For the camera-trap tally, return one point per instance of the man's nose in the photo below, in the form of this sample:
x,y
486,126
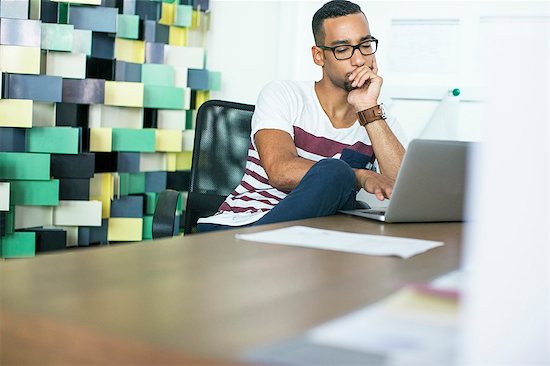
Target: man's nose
x,y
357,58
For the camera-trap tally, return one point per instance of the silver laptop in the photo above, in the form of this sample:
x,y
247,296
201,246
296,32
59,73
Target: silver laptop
x,y
429,187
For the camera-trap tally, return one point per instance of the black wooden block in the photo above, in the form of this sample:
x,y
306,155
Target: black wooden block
x,y
84,91
127,71
83,236
74,189
48,11
179,180
71,114
127,206
73,166
148,10
150,118
100,68
98,234
155,181
49,239
12,139
128,162
103,46
106,162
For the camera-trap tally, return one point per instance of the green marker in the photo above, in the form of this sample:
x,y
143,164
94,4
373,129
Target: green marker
x,y
456,92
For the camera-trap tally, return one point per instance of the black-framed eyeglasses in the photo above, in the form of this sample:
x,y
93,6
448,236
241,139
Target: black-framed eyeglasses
x,y
345,51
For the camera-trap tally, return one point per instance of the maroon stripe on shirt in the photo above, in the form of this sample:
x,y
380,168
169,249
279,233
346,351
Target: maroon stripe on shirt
x,y
226,207
251,189
256,176
323,146
253,160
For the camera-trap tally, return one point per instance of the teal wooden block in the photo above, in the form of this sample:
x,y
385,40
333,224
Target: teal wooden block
x,y
124,183
163,97
126,139
24,166
57,37
18,245
157,74
147,228
214,80
127,26
136,184
184,16
34,192
57,140
150,201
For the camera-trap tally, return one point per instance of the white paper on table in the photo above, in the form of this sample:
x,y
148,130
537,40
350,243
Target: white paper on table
x,y
303,236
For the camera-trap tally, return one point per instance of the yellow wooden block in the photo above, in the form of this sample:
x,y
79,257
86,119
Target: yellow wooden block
x,y
183,160
16,113
171,161
101,139
19,59
125,94
130,50
168,13
102,189
202,96
196,19
124,229
177,36
168,140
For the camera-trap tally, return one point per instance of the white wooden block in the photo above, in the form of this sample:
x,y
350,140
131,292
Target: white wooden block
x,y
33,216
77,213
188,140
188,57
4,196
173,119
66,64
187,99
43,114
82,41
152,162
180,77
101,115
18,9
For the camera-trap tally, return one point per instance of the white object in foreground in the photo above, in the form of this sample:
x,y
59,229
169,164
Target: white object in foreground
x,y
302,236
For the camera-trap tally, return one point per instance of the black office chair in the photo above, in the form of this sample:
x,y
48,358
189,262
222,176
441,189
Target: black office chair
x,y
222,139
164,217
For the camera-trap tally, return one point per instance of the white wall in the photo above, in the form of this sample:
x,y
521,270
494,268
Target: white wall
x,y
254,42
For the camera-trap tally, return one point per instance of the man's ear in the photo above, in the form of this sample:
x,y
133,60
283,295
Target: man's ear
x,y
318,56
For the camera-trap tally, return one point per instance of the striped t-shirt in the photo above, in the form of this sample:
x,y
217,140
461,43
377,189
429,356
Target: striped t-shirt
x,y
291,106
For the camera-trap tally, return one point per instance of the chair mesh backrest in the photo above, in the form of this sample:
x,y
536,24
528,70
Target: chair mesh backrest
x,y
222,138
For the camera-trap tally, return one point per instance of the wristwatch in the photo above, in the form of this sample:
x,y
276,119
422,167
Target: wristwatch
x,y
371,114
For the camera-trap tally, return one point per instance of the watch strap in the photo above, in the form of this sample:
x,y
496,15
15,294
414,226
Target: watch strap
x,y
370,115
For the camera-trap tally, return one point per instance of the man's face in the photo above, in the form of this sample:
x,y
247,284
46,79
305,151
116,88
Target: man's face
x,y
347,30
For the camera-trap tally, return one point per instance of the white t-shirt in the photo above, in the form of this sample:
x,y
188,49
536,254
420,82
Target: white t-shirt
x,y
291,106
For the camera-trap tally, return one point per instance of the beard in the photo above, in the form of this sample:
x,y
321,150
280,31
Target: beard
x,y
348,87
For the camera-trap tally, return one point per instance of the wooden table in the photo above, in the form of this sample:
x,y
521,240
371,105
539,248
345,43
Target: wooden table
x,y
198,299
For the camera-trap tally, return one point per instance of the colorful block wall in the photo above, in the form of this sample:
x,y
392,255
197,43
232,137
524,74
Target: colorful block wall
x,y
97,106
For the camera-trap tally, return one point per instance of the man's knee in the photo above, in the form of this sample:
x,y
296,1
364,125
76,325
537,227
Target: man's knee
x,y
335,172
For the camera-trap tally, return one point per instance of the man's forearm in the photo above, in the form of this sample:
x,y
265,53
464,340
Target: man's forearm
x,y
388,150
288,175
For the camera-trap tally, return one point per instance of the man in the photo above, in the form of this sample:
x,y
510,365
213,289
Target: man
x,y
314,144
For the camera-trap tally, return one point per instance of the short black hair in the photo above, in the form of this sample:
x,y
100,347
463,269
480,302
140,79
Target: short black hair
x,y
332,9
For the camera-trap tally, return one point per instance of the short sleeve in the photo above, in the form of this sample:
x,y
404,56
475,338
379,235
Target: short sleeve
x,y
274,109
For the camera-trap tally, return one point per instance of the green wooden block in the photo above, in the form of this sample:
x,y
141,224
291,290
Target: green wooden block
x,y
163,97
57,140
10,221
137,183
150,202
136,140
63,13
18,245
184,16
124,183
189,119
127,26
82,41
147,228
181,205
157,74
214,80
57,37
34,192
24,166
168,1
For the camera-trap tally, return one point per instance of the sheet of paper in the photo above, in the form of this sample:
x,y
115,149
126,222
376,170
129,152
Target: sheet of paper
x,y
302,236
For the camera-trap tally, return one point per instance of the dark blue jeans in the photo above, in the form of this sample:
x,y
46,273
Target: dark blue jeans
x,y
327,187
